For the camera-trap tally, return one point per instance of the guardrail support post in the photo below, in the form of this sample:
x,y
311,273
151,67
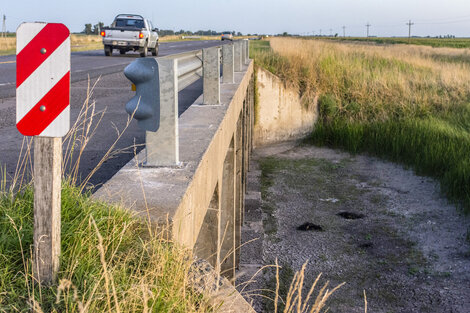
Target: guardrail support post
x,y
162,146
238,56
228,64
244,57
211,75
247,53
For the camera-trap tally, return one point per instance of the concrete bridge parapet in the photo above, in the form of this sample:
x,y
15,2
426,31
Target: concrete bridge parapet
x,y
203,197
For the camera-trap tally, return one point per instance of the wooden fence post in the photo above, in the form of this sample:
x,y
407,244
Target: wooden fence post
x,y
47,205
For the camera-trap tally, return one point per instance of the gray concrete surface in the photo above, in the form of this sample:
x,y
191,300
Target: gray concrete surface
x,y
211,76
227,64
238,55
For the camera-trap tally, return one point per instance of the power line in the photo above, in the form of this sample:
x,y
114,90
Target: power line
x,y
409,30
448,22
443,19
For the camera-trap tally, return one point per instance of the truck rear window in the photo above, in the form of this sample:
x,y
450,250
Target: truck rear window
x,y
127,22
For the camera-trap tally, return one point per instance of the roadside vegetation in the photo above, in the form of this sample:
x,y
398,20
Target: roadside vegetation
x,y
111,261
406,103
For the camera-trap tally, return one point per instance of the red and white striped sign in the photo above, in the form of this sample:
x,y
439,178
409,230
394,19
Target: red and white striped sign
x,y
43,79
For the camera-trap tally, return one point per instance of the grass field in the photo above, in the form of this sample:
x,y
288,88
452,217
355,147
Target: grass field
x,y
406,103
433,42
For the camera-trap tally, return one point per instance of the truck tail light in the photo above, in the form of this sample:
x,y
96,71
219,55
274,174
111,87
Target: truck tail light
x,y
141,35
103,33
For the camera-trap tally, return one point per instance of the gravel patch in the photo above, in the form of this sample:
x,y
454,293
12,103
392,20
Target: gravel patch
x,y
383,230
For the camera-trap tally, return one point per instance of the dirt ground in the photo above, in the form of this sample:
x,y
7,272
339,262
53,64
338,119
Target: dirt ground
x,y
373,224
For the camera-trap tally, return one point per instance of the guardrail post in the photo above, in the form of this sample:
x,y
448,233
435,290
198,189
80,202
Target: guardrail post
x,y
162,146
238,56
228,64
247,53
244,57
211,75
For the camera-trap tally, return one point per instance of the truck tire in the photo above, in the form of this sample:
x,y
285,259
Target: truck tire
x,y
143,51
155,50
108,51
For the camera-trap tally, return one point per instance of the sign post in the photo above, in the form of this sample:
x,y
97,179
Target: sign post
x,y
43,111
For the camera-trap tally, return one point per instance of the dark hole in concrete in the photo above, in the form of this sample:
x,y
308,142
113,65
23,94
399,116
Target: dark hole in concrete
x,y
310,226
366,245
350,215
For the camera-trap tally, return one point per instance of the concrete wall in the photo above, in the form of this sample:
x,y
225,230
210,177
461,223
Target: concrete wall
x,y
280,115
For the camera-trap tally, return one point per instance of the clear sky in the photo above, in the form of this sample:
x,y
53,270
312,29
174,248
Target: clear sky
x,y
387,17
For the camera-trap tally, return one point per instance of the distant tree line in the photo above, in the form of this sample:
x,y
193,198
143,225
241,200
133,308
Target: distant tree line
x,y
95,29
170,32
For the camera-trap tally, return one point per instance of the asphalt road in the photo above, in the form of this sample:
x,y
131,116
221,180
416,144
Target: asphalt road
x,y
94,63
110,94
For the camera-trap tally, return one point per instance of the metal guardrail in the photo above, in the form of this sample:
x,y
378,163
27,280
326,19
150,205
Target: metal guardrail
x,y
158,81
189,67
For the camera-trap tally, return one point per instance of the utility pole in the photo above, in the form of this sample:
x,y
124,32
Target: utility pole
x,y
4,26
331,32
320,32
409,30
368,25
344,31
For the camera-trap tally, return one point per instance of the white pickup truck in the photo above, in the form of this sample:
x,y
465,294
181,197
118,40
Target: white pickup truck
x,y
130,32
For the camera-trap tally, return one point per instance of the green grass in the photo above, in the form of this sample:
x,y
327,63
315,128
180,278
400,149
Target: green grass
x,y
433,42
426,126
432,146
145,270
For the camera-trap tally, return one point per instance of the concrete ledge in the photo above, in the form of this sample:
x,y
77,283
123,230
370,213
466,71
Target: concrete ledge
x,y
182,195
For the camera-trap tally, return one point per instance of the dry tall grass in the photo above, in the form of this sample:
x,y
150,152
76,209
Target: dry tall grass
x,y
7,45
377,81
77,43
84,39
